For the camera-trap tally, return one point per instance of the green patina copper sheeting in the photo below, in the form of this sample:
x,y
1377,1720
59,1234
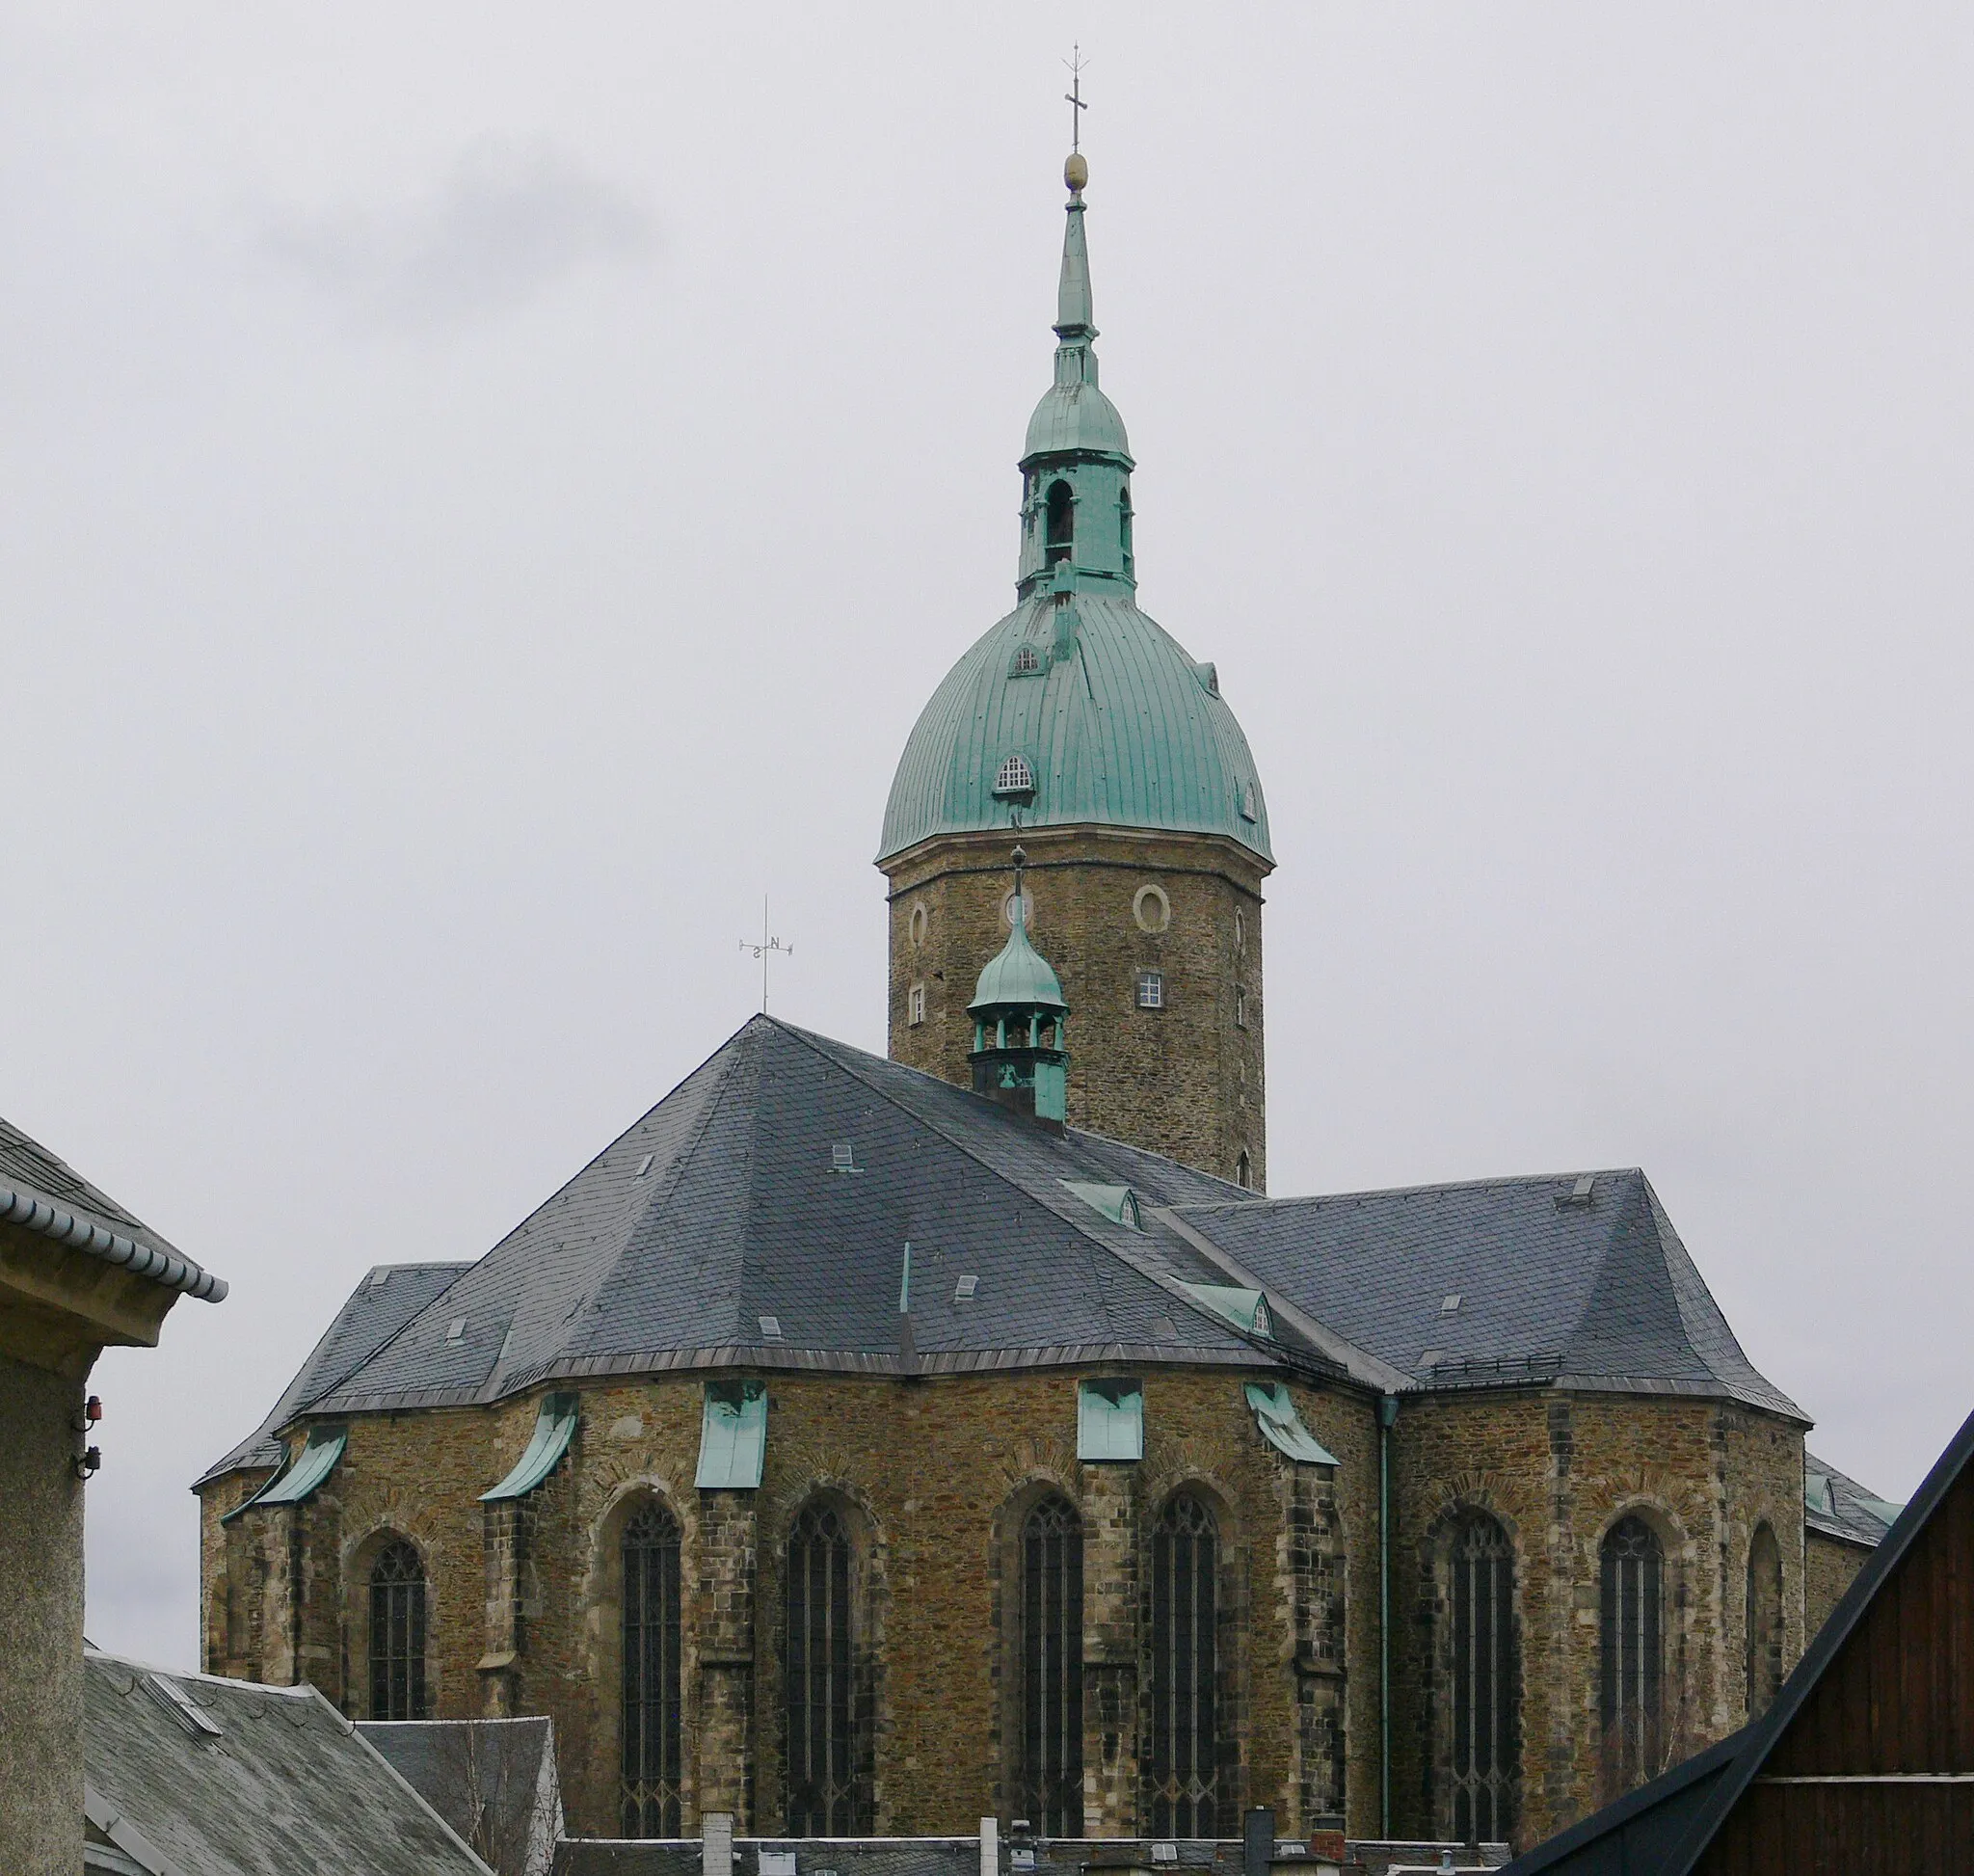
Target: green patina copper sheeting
x,y
1110,1420
303,1479
1245,1309
1281,1426
732,1437
555,1429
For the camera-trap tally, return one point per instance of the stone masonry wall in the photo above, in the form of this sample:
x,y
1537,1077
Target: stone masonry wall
x,y
1830,1564
1556,1470
1186,1080
927,1474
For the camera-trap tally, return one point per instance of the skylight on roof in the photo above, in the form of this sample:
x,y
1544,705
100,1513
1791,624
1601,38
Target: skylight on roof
x,y
963,1290
456,1328
378,1278
843,1157
644,1165
770,1327
180,1705
1450,1303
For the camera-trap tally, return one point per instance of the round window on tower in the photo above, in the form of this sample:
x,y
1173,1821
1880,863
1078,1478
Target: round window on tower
x,y
1152,909
915,925
1027,910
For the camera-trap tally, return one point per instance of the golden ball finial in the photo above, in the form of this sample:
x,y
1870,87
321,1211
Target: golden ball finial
x,y
1076,173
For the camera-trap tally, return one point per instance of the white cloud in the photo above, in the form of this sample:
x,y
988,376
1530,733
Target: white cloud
x,y
509,220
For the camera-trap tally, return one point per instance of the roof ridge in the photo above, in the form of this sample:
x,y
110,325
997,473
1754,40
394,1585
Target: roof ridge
x,y
1085,1232
1438,1186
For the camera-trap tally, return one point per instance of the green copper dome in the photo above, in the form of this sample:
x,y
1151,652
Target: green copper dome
x,y
1020,976
1077,708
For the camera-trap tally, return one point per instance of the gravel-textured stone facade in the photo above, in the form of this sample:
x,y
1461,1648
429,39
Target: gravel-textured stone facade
x,y
1830,1564
933,1477
1108,906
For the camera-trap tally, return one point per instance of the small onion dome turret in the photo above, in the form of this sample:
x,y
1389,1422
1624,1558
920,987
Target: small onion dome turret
x,y
1017,977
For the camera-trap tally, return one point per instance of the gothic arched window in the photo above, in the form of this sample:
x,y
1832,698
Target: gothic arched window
x,y
397,1634
648,1801
827,1794
1630,1630
1183,1766
1052,1573
1486,1682
1059,536
1764,1621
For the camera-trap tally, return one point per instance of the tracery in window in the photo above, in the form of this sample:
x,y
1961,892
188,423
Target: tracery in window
x,y
1485,1675
397,1634
1630,1630
1051,1775
649,1794
1183,1764
828,1795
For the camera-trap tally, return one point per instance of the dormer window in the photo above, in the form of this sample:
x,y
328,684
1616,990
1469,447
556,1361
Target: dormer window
x,y
1060,536
1028,661
1015,778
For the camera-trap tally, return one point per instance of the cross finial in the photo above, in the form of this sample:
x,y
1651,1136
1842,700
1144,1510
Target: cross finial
x,y
1073,98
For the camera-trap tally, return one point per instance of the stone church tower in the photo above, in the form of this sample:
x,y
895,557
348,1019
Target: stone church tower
x,y
1082,721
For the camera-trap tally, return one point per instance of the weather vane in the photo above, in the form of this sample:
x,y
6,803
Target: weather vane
x,y
764,950
1073,98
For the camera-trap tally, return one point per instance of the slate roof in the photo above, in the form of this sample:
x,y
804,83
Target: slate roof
x,y
775,1189
376,1310
1835,1504
47,1195
284,1783
494,1781
1592,1290
724,1205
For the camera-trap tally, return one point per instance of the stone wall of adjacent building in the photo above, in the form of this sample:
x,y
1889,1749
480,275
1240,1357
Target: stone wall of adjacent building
x,y
1830,1564
1556,1470
1106,904
931,1477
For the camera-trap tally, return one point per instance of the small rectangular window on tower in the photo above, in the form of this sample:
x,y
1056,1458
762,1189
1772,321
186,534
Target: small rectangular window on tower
x,y
914,1005
1150,990
1239,1007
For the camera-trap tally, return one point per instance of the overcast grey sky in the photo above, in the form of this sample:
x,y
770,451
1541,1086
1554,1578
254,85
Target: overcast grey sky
x,y
484,491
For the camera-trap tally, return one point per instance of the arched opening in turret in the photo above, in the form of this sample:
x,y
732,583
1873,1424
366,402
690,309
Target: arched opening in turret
x,y
1124,527
1061,537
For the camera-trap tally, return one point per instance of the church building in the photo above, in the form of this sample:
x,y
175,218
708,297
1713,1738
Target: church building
x,y
868,1445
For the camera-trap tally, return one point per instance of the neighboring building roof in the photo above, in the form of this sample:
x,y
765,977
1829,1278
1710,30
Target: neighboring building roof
x,y
231,1778
1835,1505
387,1297
757,1217
47,1195
1867,1745
494,1781
1575,1279
1125,732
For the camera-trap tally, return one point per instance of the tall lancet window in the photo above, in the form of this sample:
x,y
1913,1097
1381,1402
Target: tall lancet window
x,y
1052,1770
1183,1768
652,1778
397,1634
1486,1682
1630,1626
1764,1621
1059,540
828,1794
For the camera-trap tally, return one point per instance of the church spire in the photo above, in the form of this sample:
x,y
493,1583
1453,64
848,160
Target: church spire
x,y
1076,467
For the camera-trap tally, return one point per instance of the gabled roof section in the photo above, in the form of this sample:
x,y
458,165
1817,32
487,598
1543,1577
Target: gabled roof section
x,y
1578,1279
1868,1733
757,1217
1837,1506
48,1197
229,1777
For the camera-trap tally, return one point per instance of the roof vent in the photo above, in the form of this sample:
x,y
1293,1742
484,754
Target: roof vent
x,y
1208,678
180,1705
378,1278
1015,779
1580,1192
456,1328
843,1157
770,1327
1448,1304
644,1165
963,1290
